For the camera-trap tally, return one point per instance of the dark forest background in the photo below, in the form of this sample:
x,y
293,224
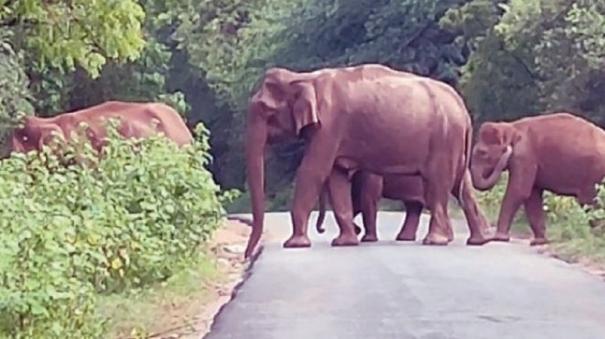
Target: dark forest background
x,y
508,58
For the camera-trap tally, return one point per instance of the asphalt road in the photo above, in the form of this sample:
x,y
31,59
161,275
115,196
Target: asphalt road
x,y
397,290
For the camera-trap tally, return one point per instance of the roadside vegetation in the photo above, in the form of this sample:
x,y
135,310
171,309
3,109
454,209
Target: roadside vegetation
x,y
76,228
73,238
576,233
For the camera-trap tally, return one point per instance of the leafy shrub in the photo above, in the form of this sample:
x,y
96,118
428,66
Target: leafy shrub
x,y
577,230
574,230
97,225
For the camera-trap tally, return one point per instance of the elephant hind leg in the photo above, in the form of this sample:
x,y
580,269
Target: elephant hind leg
x,y
340,195
535,215
409,229
437,200
356,208
477,221
369,206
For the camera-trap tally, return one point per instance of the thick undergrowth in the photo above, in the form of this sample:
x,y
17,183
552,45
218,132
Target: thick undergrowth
x,y
73,228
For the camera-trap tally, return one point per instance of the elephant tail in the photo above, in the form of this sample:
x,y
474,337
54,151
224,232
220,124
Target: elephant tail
x,y
322,212
467,161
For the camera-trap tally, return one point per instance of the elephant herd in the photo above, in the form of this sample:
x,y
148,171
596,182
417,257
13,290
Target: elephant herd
x,y
372,131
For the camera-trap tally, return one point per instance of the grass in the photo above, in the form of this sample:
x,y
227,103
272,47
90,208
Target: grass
x,y
567,226
166,306
573,237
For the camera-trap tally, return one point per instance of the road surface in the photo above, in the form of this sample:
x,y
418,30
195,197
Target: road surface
x,y
406,290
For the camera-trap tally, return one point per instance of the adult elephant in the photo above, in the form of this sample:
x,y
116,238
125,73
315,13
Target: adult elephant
x,y
137,120
367,189
558,152
367,117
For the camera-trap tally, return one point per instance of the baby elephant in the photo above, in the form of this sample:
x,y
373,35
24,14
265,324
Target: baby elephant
x,y
366,191
558,152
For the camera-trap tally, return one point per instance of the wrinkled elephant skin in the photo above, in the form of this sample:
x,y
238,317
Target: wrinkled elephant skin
x,y
368,189
137,120
559,152
367,117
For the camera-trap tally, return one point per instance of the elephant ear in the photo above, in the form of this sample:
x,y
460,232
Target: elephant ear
x,y
508,135
266,99
490,134
304,108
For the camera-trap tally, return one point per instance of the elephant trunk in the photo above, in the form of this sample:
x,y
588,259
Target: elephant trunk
x,y
322,212
256,139
483,183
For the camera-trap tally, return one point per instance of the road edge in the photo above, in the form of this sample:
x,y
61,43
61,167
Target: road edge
x,y
245,276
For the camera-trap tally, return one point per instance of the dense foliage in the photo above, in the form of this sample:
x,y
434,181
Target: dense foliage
x,y
509,58
97,226
548,55
205,56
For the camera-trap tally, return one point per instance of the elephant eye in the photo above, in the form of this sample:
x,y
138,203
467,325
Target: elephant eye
x,y
24,138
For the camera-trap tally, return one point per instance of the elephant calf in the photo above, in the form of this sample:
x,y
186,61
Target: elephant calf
x,y
367,189
558,152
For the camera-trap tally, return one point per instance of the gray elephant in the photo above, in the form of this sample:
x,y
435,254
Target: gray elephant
x,y
558,152
367,189
366,117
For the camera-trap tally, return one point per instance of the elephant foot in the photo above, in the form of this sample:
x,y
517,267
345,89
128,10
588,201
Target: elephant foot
x,y
297,241
403,236
357,230
345,240
435,239
369,238
477,241
539,242
502,237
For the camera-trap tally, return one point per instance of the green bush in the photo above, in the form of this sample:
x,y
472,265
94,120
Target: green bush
x,y
69,232
574,230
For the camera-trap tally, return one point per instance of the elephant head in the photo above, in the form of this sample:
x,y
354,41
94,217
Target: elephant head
x,y
284,104
491,153
33,134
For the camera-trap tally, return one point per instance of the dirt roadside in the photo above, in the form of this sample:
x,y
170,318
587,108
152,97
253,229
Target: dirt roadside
x,y
193,319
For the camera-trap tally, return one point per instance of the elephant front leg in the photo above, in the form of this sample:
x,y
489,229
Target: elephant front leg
x,y
310,178
307,188
518,190
409,229
369,206
340,195
510,206
369,222
535,216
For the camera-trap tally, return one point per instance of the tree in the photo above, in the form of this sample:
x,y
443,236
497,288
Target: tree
x,y
42,42
547,55
63,34
232,42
